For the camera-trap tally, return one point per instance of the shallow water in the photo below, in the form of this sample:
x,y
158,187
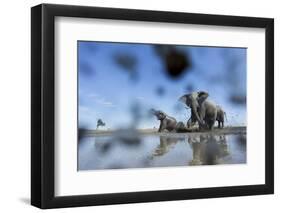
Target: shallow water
x,y
143,151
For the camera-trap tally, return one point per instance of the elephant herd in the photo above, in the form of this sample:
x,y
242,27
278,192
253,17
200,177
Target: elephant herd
x,y
206,149
203,111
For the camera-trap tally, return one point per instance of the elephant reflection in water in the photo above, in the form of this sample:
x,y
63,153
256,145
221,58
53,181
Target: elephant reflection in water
x,y
166,144
208,149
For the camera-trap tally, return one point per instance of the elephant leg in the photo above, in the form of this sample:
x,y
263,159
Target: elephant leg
x,y
192,124
211,124
222,124
204,125
193,121
219,124
201,127
202,115
189,123
160,127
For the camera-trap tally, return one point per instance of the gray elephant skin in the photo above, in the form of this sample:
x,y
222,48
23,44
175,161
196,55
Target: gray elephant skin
x,y
192,120
208,149
220,116
202,110
166,122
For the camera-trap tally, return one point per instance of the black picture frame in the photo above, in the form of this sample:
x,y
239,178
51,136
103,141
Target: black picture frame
x,y
43,102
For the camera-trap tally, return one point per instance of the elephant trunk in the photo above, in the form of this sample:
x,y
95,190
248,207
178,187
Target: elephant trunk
x,y
194,110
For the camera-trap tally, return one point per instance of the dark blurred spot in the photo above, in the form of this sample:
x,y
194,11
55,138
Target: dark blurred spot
x,y
128,137
105,147
85,68
238,99
122,137
81,133
128,62
175,61
241,141
189,88
161,50
160,91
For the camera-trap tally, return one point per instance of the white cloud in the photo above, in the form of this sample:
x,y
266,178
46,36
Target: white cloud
x,y
100,100
93,95
106,103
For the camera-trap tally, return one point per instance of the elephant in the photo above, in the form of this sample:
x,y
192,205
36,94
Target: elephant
x,y
203,111
192,120
166,122
166,144
180,127
220,116
208,149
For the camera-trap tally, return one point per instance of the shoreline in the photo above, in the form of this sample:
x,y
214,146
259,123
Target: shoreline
x,y
225,131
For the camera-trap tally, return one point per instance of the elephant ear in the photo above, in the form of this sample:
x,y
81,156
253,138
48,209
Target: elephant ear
x,y
202,96
186,99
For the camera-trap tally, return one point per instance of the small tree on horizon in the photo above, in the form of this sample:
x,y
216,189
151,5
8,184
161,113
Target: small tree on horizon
x,y
100,123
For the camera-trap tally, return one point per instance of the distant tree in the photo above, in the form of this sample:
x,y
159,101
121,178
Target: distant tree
x,y
100,123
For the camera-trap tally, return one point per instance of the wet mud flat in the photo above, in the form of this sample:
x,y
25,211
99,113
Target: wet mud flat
x,y
148,148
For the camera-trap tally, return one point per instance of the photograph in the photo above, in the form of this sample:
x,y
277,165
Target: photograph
x,y
139,105
144,105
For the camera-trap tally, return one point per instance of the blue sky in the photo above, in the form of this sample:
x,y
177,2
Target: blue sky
x,y
108,90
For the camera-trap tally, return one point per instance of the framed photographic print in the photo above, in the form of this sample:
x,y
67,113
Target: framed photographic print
x,y
139,106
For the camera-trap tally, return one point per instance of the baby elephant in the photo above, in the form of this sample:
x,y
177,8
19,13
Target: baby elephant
x,y
166,122
220,116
